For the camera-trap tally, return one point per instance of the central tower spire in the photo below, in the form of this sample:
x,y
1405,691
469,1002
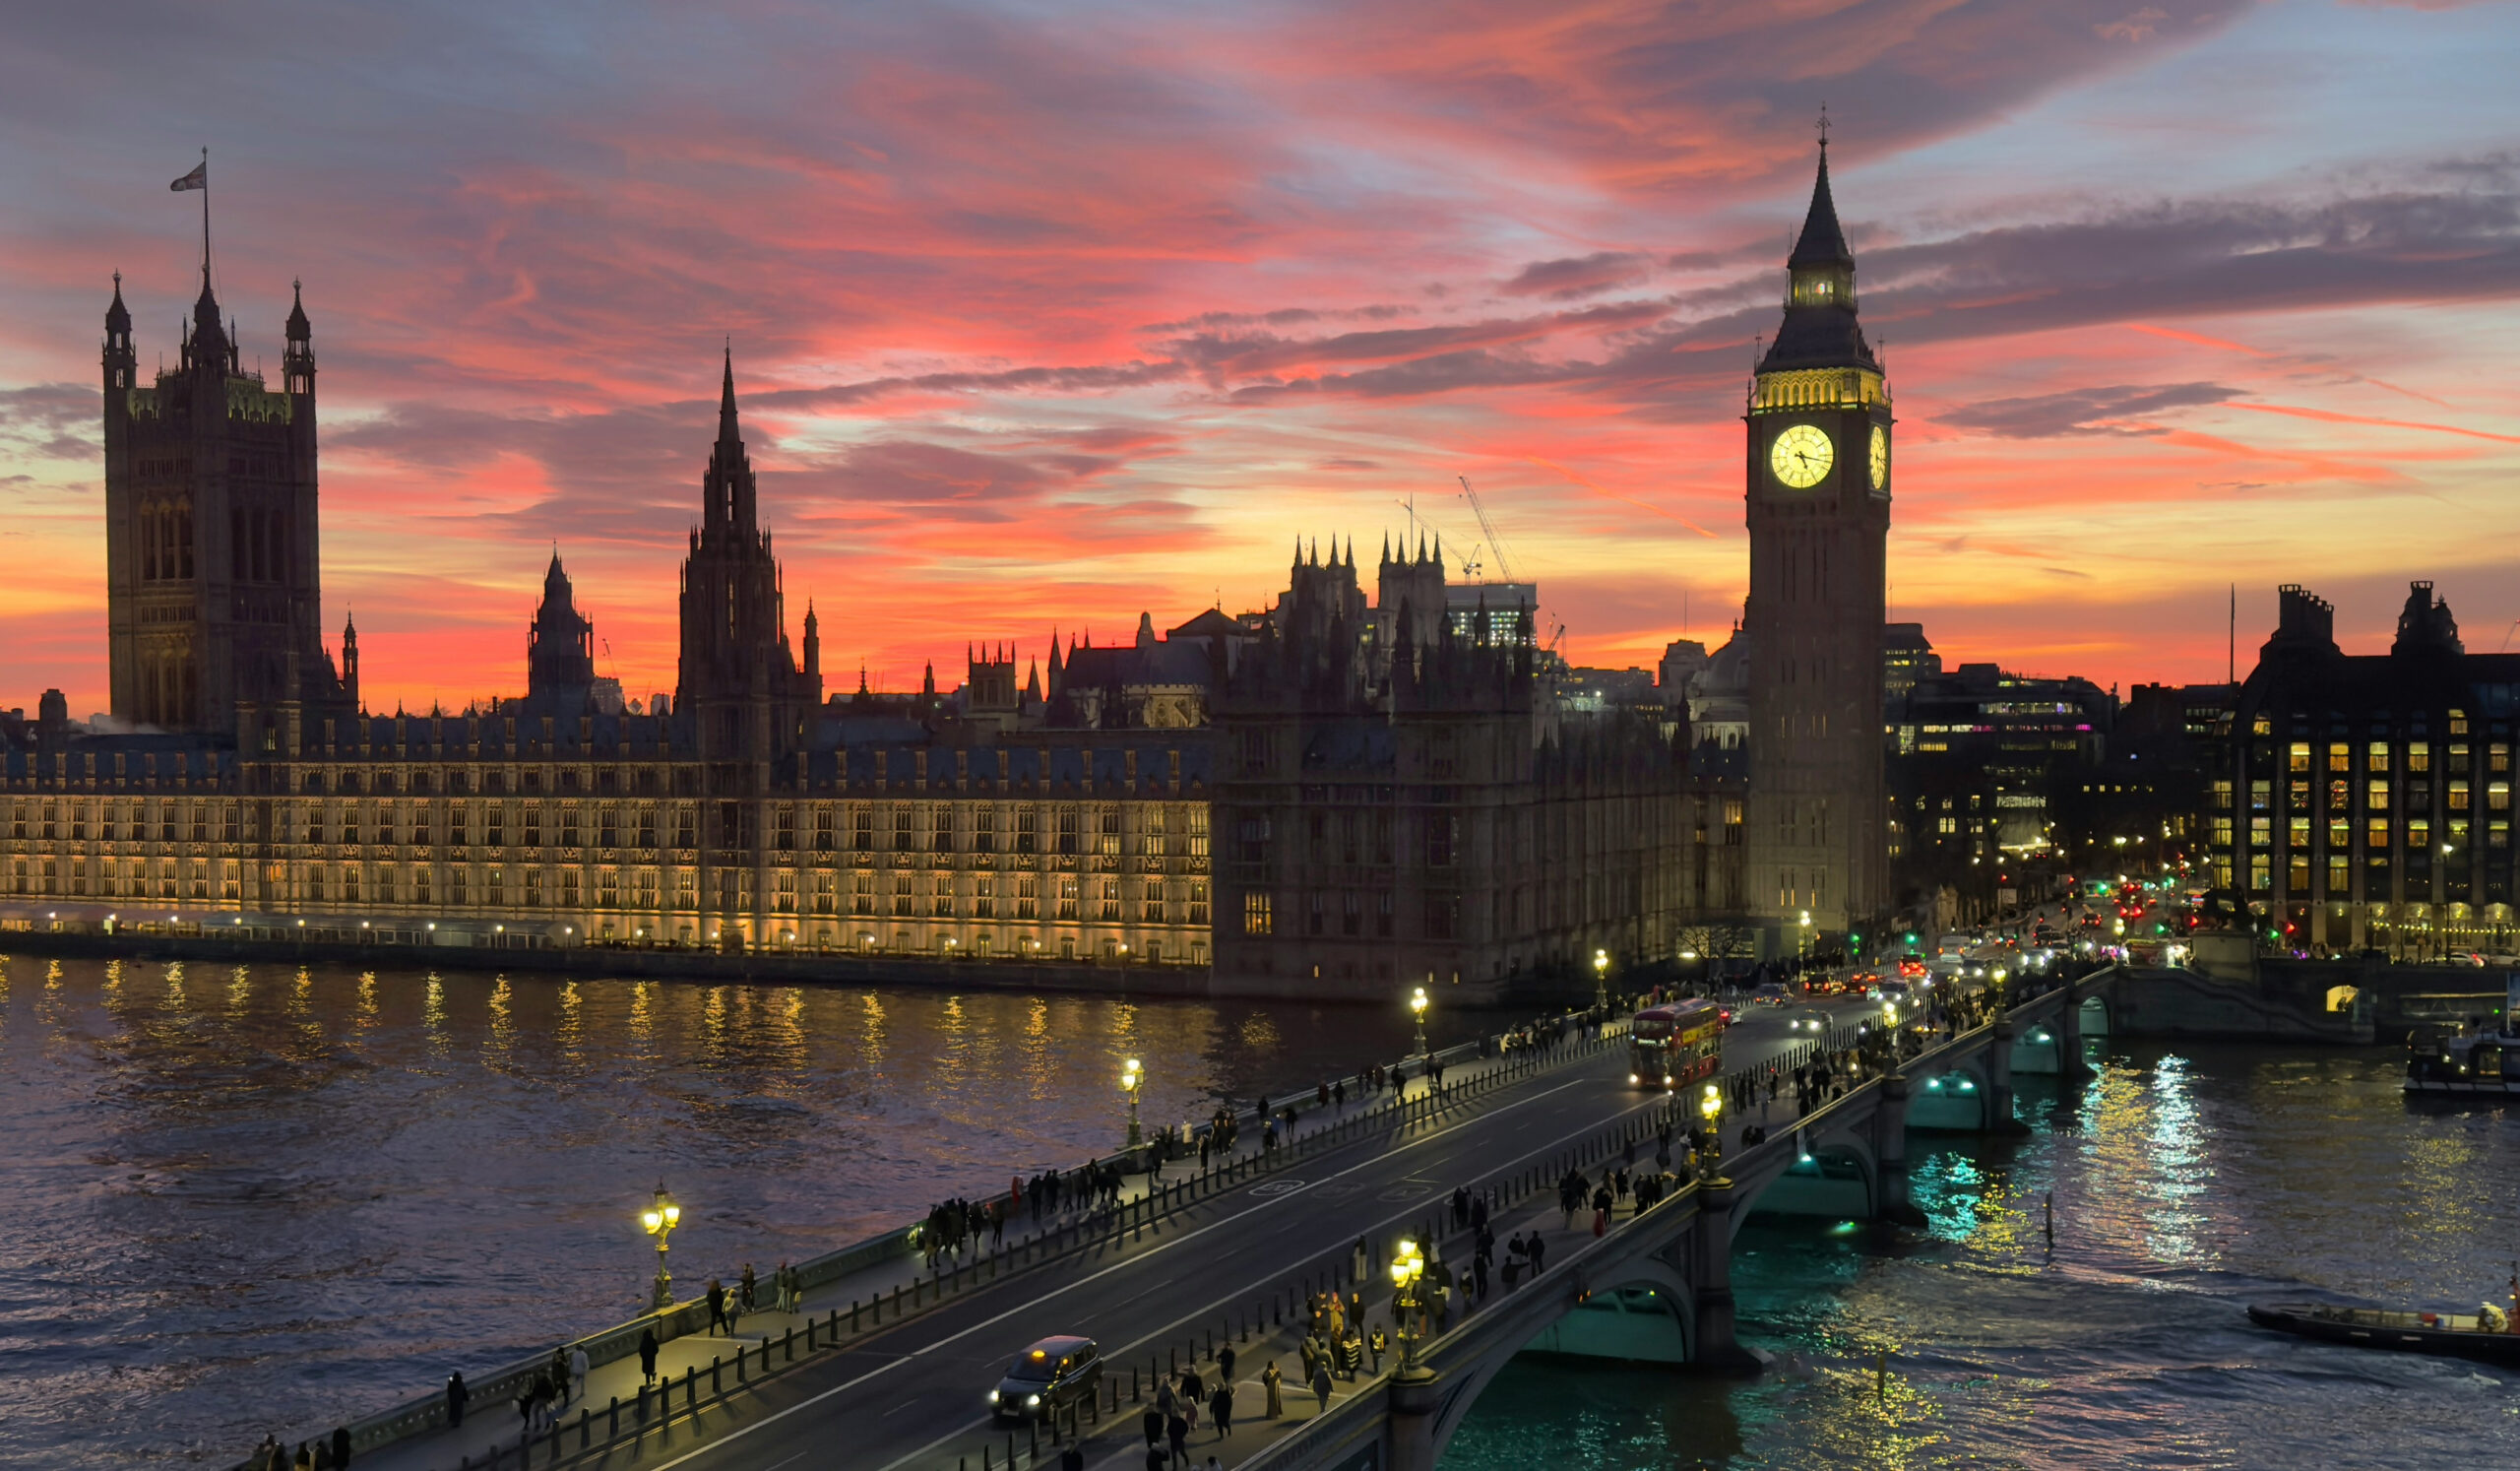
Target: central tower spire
x,y
728,502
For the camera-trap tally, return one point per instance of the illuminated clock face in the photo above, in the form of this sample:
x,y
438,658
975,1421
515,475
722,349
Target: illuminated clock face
x,y
1880,456
1801,456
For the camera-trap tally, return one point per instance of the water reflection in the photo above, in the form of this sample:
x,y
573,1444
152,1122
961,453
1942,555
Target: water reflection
x,y
330,1178
2188,1181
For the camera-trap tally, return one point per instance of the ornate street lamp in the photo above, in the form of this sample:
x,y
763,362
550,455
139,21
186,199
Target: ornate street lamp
x,y
1600,983
1131,1077
659,1220
1710,1106
1417,1012
1407,1267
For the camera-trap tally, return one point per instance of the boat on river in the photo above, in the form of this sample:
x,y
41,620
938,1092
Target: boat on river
x,y
2464,1335
2482,1061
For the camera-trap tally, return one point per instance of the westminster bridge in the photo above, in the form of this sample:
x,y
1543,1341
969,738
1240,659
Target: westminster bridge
x,y
884,1362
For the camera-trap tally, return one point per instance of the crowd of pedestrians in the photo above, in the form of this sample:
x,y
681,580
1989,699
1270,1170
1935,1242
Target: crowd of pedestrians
x,y
326,1454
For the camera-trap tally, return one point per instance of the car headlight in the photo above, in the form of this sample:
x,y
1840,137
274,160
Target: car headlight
x,y
1633,1078
1031,1401
1666,1080
992,1396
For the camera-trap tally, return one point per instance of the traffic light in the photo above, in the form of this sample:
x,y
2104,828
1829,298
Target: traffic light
x,y
1912,936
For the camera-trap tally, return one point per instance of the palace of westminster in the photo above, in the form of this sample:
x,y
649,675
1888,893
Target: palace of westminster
x,y
1328,797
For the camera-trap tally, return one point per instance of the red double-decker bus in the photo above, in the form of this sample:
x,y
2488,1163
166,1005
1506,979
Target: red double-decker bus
x,y
1679,1042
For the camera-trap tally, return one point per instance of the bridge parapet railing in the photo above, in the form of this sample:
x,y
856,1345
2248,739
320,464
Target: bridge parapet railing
x,y
427,1412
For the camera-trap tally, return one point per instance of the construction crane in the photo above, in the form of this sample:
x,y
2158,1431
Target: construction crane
x,y
1495,546
1418,520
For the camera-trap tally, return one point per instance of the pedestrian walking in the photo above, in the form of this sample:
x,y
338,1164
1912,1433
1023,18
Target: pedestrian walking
x,y
456,1396
1221,1410
1540,1254
647,1357
747,1295
1321,1384
1177,1430
341,1447
559,1374
1225,1365
1360,1262
578,1366
718,1307
1270,1402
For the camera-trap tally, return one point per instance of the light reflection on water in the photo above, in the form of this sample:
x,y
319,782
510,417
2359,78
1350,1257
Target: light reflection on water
x,y
2187,1183
249,1200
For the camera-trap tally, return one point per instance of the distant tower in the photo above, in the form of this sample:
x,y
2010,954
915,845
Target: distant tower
x,y
739,682
350,661
214,592
559,654
1819,521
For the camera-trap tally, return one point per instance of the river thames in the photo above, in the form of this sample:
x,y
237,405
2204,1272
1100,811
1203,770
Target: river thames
x,y
254,1199
247,1199
2188,1181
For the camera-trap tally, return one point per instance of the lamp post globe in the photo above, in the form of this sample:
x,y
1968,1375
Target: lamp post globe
x,y
659,1220
1417,1014
1131,1077
1408,1264
1710,1106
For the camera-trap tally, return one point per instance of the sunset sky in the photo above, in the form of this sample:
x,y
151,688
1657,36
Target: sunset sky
x,y
1046,314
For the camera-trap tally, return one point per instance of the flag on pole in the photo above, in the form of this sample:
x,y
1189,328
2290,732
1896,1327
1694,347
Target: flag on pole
x,y
199,178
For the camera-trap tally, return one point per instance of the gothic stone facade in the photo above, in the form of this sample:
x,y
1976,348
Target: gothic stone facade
x,y
1400,804
214,597
542,830
1397,803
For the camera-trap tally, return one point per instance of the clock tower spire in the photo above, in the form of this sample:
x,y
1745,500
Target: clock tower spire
x,y
1818,509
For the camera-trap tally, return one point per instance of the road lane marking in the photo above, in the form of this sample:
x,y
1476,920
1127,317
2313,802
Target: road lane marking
x,y
1230,1298
1183,1239
747,1428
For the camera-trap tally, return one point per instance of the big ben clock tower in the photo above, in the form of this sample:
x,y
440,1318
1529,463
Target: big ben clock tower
x,y
1818,508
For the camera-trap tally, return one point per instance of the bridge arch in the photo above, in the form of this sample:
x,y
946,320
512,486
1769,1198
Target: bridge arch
x,y
2038,1049
1833,1177
1951,1100
1648,1318
2097,1016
